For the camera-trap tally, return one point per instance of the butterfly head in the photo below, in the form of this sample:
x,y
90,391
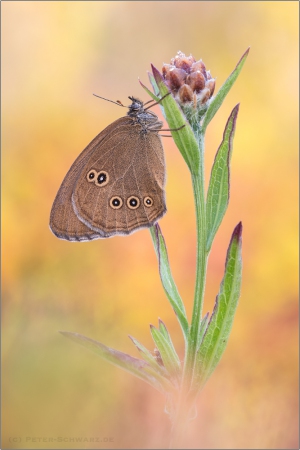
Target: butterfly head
x,y
136,107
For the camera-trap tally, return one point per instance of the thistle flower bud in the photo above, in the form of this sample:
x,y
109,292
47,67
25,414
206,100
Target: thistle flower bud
x,y
190,84
186,77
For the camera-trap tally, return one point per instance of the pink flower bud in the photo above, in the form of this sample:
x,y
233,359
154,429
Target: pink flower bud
x,y
188,80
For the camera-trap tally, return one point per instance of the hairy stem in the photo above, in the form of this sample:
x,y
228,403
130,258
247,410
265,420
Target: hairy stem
x,y
185,402
199,194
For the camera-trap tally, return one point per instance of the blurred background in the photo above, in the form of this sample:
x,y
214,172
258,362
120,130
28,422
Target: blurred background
x,y
55,55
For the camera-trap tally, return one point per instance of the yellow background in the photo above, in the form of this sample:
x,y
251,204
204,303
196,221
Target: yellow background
x,y
55,55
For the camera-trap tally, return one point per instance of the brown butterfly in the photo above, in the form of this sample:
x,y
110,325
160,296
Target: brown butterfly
x,y
116,185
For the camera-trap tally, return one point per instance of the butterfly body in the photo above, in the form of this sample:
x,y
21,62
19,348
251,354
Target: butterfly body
x,y
116,185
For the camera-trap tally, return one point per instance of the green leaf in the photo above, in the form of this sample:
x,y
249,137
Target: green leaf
x,y
167,279
218,190
148,357
184,138
135,366
217,101
202,330
153,83
149,92
215,339
167,352
164,331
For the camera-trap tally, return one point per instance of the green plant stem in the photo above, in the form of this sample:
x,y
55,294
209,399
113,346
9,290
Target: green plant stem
x,y
184,401
201,266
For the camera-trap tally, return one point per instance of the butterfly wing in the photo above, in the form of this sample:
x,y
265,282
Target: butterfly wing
x,y
121,188
63,221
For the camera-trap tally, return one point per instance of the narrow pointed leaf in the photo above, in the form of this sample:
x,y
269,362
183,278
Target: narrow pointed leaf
x,y
217,101
218,190
184,138
168,355
149,92
153,83
167,279
135,366
215,339
164,331
148,357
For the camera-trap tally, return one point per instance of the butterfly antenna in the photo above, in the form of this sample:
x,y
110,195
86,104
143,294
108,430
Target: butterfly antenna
x,y
116,103
149,101
156,103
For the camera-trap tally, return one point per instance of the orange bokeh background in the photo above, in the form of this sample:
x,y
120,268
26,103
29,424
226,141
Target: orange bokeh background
x,y
54,56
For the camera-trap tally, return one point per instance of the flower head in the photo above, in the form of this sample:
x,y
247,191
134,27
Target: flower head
x,y
188,80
